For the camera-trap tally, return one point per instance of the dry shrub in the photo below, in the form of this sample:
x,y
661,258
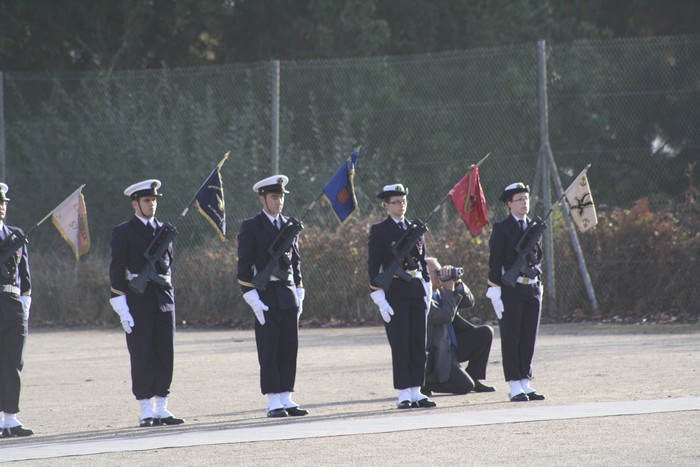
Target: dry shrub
x,y
644,263
66,292
335,269
206,287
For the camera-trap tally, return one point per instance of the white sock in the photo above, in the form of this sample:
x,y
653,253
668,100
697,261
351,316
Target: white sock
x,y
416,395
515,388
161,407
146,408
405,395
525,384
286,400
11,420
274,401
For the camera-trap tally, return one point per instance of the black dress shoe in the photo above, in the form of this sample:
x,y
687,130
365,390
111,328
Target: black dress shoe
x,y
424,403
533,396
277,413
167,421
404,405
16,431
519,398
144,422
481,387
426,390
296,411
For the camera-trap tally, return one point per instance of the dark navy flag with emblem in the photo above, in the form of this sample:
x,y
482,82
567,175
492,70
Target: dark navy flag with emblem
x,y
340,189
210,200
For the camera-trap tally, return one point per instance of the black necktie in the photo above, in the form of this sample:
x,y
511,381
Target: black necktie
x,y
522,224
150,228
401,225
277,223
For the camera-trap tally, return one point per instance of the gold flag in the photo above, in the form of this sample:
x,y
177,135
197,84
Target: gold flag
x,y
70,218
580,200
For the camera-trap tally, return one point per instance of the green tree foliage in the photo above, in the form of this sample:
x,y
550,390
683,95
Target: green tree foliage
x,y
419,26
74,35
645,18
286,29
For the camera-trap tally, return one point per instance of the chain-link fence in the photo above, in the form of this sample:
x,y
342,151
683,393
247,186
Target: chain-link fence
x,y
628,107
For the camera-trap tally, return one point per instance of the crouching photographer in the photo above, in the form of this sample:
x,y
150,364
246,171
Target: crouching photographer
x,y
451,339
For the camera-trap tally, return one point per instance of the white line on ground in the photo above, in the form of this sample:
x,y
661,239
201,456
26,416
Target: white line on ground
x,y
318,429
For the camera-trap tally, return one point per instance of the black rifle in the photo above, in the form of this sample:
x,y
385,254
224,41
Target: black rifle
x,y
401,251
154,258
277,250
525,249
8,249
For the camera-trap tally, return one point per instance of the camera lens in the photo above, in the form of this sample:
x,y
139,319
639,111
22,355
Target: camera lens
x,y
453,275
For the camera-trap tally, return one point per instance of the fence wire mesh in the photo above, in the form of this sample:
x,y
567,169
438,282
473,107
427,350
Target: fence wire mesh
x,y
628,107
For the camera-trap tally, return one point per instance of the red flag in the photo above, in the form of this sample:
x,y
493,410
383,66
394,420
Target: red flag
x,y
468,198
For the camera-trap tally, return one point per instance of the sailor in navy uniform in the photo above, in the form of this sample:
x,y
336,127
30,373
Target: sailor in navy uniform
x,y
404,305
149,319
517,308
15,301
278,307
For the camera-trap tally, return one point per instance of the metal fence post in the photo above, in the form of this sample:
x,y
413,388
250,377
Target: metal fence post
x,y
545,152
275,117
2,127
550,168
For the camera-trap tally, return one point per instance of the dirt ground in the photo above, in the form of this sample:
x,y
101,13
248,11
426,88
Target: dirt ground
x,y
76,386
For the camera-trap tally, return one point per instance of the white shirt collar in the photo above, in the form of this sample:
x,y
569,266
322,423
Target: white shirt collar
x,y
398,221
145,221
272,218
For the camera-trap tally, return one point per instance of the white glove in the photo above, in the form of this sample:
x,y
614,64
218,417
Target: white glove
x,y
26,304
385,309
301,293
428,286
122,309
494,293
252,298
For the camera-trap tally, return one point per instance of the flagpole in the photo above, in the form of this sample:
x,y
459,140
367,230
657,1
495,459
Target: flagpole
x,y
478,164
218,167
51,212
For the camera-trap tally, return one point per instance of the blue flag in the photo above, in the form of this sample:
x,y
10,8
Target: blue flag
x,y
340,190
210,201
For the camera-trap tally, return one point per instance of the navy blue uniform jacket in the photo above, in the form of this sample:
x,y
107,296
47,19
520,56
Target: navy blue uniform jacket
x,y
504,238
129,241
10,305
381,238
256,235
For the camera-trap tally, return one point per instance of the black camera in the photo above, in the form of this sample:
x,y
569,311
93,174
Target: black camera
x,y
452,275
